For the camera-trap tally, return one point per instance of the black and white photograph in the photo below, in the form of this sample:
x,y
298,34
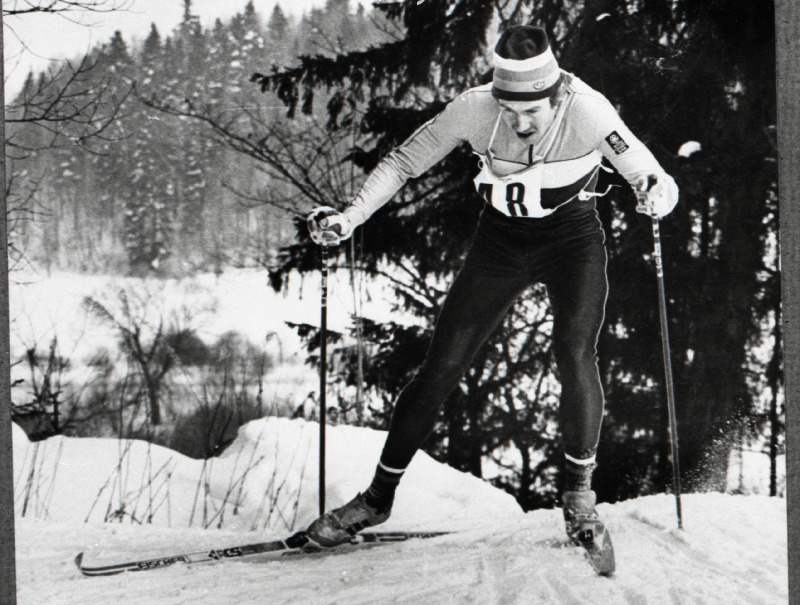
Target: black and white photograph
x,y
400,301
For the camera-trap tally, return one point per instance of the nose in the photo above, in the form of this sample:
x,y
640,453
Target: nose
x,y
519,122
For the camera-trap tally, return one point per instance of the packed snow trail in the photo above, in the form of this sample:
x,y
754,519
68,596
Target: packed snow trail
x,y
732,550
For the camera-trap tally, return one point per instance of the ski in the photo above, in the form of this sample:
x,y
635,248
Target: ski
x,y
594,538
296,545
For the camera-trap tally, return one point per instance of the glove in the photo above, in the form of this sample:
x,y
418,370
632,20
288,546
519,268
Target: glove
x,y
656,194
328,227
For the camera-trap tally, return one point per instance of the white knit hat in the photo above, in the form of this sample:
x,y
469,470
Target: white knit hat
x,y
525,68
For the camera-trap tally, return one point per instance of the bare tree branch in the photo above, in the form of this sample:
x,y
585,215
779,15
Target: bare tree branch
x,y
303,155
69,104
26,7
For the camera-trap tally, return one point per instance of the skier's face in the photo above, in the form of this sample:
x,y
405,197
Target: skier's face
x,y
529,119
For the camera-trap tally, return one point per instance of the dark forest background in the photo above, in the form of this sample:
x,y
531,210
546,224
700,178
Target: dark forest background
x,y
202,149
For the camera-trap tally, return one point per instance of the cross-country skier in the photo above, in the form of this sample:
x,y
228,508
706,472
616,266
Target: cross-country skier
x,y
540,135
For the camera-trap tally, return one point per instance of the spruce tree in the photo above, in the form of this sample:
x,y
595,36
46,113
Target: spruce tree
x,y
678,72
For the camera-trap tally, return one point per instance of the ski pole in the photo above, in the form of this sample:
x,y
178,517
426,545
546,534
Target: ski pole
x,y
673,425
323,370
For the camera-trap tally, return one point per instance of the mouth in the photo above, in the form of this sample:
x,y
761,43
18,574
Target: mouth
x,y
526,135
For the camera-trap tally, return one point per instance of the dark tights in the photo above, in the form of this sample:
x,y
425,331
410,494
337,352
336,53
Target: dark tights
x,y
565,251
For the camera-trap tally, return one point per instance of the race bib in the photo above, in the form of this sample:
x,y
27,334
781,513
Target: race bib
x,y
516,195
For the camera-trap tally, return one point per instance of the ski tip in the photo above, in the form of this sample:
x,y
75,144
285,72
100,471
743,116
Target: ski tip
x,y
604,564
607,573
79,559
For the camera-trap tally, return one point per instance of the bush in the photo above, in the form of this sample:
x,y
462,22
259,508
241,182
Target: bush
x,y
231,396
187,347
210,429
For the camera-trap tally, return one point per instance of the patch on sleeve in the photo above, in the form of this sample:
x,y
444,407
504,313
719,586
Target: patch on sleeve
x,y
617,143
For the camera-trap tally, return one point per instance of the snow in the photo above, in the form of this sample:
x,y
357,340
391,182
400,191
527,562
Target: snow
x,y
748,473
266,479
265,485
732,548
688,148
238,300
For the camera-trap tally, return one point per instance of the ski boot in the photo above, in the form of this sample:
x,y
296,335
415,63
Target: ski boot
x,y
585,529
341,524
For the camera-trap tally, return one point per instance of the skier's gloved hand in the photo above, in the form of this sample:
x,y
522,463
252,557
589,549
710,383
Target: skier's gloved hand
x,y
656,194
328,227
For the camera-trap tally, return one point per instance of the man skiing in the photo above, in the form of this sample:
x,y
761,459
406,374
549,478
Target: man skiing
x,y
540,135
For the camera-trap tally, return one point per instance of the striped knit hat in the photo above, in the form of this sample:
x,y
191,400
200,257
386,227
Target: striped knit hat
x,y
525,68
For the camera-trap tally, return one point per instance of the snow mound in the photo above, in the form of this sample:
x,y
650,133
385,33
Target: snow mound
x,y
267,480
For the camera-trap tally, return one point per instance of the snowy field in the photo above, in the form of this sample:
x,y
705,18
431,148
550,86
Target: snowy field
x,y
731,550
45,307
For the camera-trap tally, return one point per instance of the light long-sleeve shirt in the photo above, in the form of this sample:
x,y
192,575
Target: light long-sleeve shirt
x,y
589,129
